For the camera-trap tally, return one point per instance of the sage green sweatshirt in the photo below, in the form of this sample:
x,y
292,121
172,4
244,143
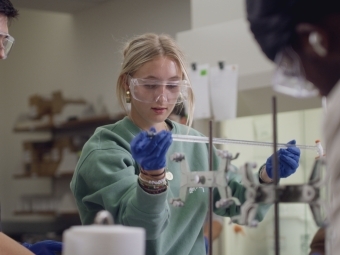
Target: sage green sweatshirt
x,y
106,178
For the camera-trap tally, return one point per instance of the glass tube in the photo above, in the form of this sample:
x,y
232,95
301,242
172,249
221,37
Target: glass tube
x,y
200,139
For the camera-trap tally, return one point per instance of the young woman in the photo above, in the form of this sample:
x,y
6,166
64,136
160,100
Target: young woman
x,y
123,166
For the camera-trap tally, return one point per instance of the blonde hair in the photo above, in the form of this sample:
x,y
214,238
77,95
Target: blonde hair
x,y
147,47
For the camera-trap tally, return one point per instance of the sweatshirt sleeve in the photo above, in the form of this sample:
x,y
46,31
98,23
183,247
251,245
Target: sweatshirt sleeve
x,y
105,179
238,191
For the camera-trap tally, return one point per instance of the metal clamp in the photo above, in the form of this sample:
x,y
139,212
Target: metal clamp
x,y
103,218
305,193
199,179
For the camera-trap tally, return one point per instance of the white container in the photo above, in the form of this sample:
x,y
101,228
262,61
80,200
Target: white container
x,y
104,240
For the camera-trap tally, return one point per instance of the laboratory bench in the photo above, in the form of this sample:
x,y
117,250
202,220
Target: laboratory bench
x,y
34,231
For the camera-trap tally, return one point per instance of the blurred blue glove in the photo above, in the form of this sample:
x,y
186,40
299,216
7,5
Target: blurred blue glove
x,y
47,247
149,148
288,161
206,241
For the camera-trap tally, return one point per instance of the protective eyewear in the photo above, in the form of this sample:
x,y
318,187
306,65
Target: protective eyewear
x,y
6,44
289,77
153,90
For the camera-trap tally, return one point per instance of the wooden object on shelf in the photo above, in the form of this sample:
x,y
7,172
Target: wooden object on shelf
x,y
43,158
58,102
33,156
45,106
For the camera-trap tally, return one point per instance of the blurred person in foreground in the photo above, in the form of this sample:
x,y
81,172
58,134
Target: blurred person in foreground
x,y
302,37
9,246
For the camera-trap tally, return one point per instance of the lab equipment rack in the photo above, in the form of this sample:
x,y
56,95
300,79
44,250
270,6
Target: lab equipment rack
x,y
70,135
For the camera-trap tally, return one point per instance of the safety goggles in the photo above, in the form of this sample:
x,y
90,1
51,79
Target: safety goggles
x,y
153,90
289,77
6,43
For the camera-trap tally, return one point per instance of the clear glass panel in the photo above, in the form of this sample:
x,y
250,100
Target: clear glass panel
x,y
297,226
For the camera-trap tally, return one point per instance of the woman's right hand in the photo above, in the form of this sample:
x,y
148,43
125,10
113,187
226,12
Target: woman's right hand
x,y
149,148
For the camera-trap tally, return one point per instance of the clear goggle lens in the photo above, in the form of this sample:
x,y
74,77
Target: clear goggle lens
x,y
7,42
150,91
289,76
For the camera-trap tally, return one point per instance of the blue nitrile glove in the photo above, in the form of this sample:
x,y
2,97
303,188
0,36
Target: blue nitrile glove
x,y
206,244
149,148
288,161
47,247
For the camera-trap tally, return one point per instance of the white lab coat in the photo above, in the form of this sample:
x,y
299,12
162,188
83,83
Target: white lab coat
x,y
331,132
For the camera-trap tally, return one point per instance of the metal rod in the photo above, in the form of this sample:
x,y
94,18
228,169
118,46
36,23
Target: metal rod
x,y
210,189
276,181
198,139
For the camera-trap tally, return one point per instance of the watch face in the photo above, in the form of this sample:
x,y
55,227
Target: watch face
x,y
169,176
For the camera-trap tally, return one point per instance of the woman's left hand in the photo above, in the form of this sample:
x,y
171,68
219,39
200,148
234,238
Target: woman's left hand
x,y
288,161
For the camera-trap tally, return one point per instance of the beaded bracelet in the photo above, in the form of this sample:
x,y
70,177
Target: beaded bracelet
x,y
151,189
260,175
151,186
153,182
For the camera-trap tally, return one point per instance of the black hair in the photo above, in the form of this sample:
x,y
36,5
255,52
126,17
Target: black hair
x,y
313,11
179,110
6,8
273,22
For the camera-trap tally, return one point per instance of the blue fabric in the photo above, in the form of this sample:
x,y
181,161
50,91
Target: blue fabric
x,y
206,241
47,247
149,148
288,161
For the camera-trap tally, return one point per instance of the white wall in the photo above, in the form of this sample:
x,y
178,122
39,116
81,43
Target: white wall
x,y
79,54
221,33
207,13
101,33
